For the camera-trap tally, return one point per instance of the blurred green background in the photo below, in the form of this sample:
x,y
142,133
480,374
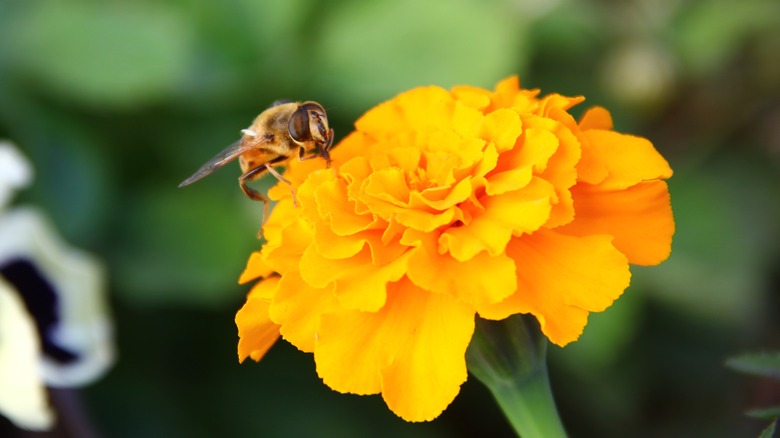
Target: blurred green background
x,y
115,102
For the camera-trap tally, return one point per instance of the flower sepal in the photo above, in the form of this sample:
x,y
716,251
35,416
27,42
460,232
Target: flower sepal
x,y
509,357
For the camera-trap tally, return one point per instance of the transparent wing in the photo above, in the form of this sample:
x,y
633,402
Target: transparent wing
x,y
229,154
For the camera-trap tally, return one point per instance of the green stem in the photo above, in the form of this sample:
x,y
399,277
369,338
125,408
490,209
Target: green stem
x,y
530,407
509,357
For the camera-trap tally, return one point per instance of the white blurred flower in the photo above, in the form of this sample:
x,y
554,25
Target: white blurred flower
x,y
83,327
54,324
15,171
23,395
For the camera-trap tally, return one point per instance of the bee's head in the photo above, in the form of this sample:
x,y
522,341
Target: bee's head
x,y
309,123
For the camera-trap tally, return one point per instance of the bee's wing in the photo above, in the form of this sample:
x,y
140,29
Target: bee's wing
x,y
229,154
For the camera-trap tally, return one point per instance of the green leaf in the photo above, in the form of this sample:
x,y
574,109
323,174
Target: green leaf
x,y
370,51
769,413
765,364
710,32
105,53
769,432
185,246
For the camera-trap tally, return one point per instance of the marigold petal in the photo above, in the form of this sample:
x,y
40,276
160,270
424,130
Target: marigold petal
x,y
297,307
483,279
332,246
629,159
463,242
412,350
415,238
448,156
562,211
355,172
255,268
596,117
502,127
538,147
425,221
505,92
256,332
264,289
515,168
385,117
407,158
359,284
509,95
487,163
507,181
640,218
474,97
557,102
518,212
284,254
386,189
561,170
442,198
591,168
341,212
466,121
355,166
297,171
560,279
422,108
354,144
280,217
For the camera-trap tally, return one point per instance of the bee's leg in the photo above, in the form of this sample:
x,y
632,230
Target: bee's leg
x,y
278,176
329,142
322,151
302,157
253,194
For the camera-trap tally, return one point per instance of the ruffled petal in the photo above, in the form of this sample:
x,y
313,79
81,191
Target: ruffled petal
x,y
596,118
561,170
502,127
412,350
256,332
561,279
284,254
423,108
255,268
483,279
338,210
474,97
640,218
518,212
509,95
297,307
629,159
386,189
359,283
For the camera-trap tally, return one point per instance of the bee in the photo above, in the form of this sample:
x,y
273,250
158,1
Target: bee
x,y
280,132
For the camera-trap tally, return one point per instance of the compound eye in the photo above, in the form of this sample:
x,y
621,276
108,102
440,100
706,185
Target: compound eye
x,y
299,125
308,123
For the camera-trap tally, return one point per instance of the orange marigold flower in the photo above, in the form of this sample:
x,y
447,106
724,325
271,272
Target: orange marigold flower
x,y
440,206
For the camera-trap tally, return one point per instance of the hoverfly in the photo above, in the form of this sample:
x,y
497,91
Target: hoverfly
x,y
274,137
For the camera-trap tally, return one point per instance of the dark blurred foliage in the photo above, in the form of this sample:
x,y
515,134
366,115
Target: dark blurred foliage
x,y
115,102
